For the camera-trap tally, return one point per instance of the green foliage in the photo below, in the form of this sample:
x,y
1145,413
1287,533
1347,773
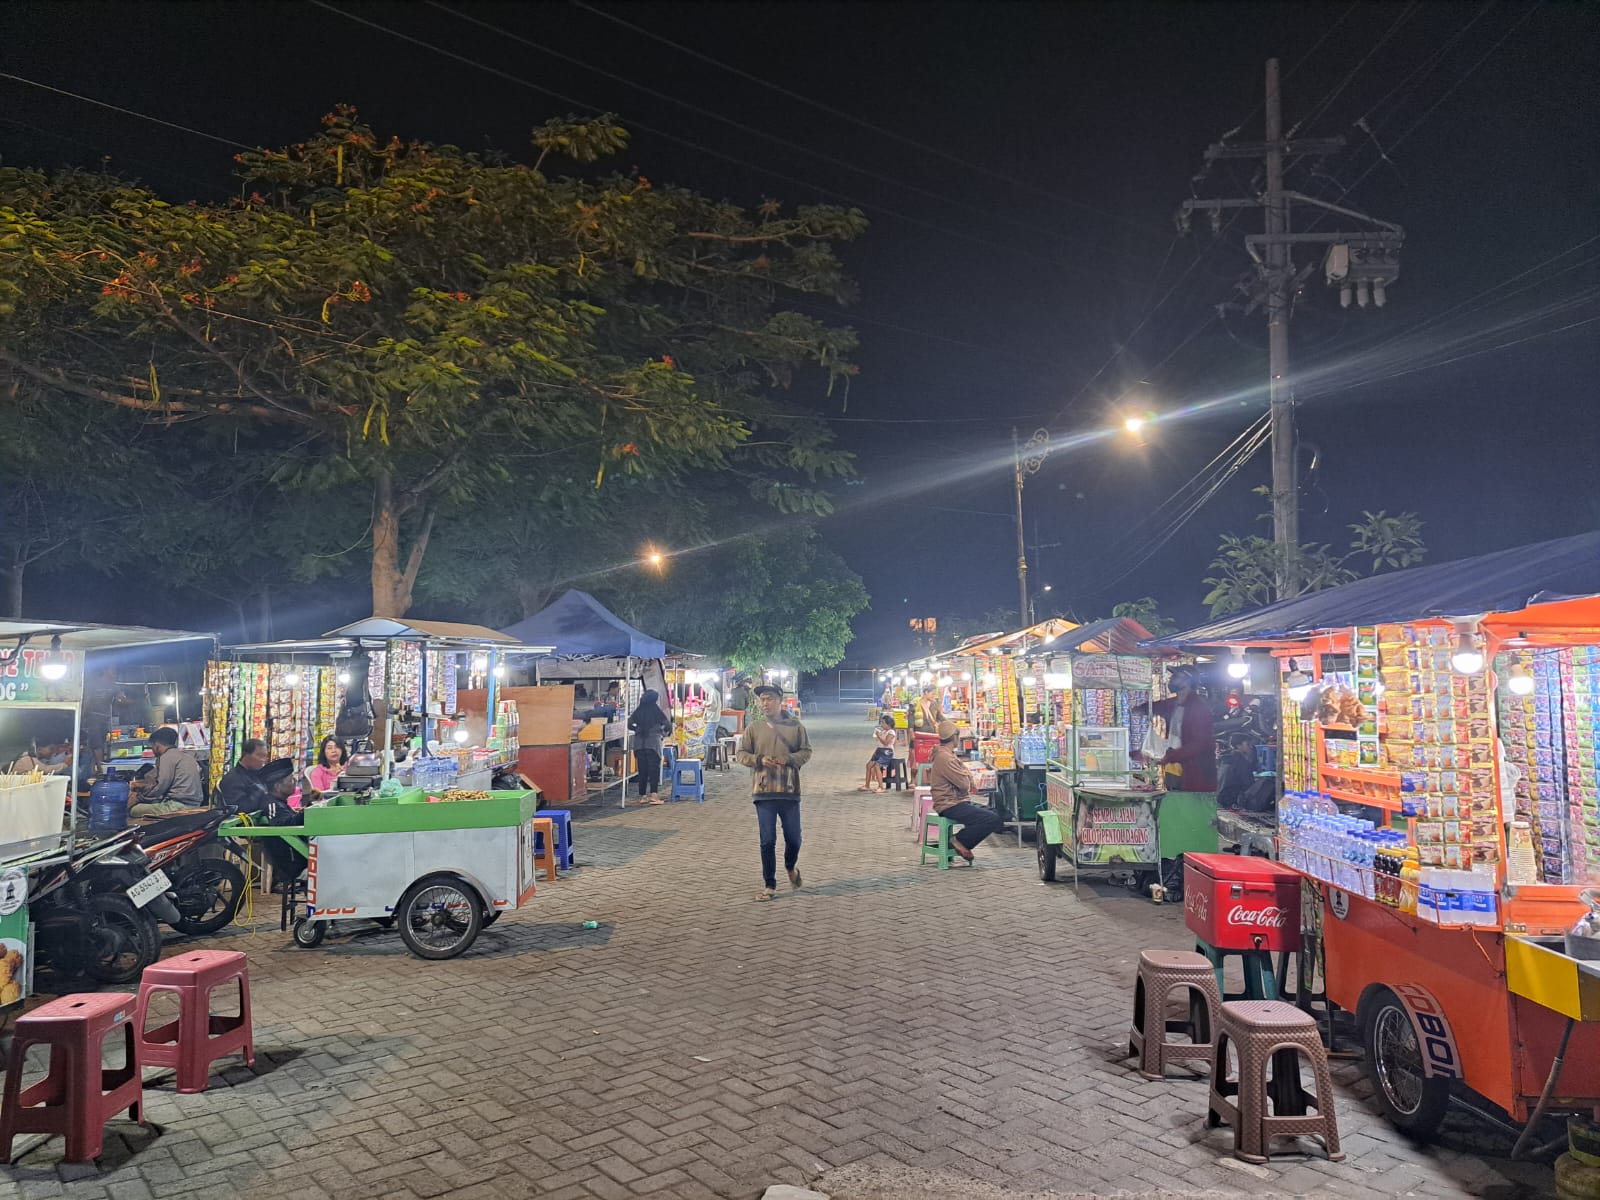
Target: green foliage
x,y
1145,611
426,324
1247,568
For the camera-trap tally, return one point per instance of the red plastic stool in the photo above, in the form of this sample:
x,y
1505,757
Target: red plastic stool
x,y
79,1095
198,1037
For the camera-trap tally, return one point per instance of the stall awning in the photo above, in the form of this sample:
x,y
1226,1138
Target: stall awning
x,y
75,635
1112,635
579,626
1049,631
392,629
1531,579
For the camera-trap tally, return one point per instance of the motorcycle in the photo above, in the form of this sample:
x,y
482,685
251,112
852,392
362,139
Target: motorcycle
x,y
206,891
96,914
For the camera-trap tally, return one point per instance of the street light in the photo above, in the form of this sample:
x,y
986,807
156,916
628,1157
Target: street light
x,y
1133,424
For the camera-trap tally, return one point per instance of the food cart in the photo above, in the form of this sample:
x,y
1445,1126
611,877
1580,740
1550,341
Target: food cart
x,y
1105,813
43,670
1441,803
440,867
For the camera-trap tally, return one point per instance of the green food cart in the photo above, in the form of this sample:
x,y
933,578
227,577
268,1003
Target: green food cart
x,y
439,869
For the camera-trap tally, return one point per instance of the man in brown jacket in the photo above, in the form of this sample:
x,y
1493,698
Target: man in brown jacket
x,y
775,747
952,785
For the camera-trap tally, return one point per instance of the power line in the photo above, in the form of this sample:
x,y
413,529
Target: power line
x,y
789,143
128,112
1327,100
106,156
707,150
1427,64
924,147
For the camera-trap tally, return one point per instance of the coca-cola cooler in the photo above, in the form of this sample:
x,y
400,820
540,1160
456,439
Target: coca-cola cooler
x,y
1236,903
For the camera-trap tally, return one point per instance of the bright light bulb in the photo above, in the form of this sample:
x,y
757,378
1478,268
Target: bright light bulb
x,y
1133,424
1238,670
292,679
1057,680
460,736
966,677
53,670
1468,659
499,670
344,677
1520,682
944,681
171,699
1299,686
927,677
1029,680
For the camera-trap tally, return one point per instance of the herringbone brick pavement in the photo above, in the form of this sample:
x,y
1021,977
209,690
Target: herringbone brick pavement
x,y
887,1027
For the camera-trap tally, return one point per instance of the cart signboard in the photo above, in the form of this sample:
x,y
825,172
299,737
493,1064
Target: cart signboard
x,y
1114,829
1111,671
22,678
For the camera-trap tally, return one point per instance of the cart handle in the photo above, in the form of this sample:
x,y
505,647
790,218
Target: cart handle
x,y
295,835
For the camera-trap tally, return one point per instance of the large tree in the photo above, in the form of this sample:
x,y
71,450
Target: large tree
x,y
416,321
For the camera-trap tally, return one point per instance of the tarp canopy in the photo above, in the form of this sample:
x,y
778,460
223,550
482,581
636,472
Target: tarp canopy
x,y
1111,635
1556,578
579,626
1049,630
75,635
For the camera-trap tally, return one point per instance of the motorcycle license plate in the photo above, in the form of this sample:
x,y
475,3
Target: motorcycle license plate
x,y
148,888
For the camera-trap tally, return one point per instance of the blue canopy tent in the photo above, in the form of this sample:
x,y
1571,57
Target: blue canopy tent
x,y
1505,582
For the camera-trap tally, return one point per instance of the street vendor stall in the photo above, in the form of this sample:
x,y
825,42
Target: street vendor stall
x,y
44,666
1105,812
1443,805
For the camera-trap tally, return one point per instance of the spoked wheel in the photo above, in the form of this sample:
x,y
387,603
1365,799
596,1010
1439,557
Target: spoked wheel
x,y
208,896
309,933
439,916
1414,1101
1047,854
127,940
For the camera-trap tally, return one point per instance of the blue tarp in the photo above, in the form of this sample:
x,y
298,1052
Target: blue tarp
x,y
579,626
1505,581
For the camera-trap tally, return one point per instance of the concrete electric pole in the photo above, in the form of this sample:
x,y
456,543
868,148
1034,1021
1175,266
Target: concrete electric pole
x,y
1356,261
1026,460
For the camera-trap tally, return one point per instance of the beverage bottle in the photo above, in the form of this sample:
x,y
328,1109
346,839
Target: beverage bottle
x,y
1410,871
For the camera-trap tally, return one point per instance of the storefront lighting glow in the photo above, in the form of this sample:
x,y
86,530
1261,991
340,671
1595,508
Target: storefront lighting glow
x,y
1238,668
171,699
1029,680
927,677
966,677
344,678
1057,681
1468,658
990,679
1520,682
460,736
54,666
499,670
1298,683
944,681
292,679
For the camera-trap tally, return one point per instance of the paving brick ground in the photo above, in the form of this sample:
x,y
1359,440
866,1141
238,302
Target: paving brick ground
x,y
888,1030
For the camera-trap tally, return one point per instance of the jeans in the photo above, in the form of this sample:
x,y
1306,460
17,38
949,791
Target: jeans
x,y
649,771
769,813
977,822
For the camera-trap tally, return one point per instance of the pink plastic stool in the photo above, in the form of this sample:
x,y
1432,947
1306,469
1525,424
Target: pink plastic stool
x,y
924,801
79,1095
198,1037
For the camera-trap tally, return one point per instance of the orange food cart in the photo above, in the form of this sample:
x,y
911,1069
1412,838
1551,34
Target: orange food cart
x,y
1456,707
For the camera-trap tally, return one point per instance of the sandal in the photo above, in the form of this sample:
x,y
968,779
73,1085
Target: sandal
x,y
767,894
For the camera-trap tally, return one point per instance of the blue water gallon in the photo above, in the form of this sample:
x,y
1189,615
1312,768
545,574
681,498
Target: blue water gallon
x,y
108,805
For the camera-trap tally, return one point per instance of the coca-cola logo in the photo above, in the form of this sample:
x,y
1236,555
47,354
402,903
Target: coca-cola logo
x,y
1270,917
1195,902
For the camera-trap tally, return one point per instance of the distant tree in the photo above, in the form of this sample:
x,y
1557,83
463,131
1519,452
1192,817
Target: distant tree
x,y
421,320
1145,611
1247,568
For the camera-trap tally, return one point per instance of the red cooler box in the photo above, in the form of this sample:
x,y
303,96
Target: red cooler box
x,y
1236,903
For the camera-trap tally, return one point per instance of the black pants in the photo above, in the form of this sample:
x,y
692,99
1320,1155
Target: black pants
x,y
768,814
649,771
977,822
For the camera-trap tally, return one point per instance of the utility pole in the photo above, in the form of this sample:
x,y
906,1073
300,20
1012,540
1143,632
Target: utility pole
x,y
1038,448
1362,262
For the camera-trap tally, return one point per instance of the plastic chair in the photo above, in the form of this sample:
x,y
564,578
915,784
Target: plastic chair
x,y
1270,1035
198,1037
79,1095
921,806
923,771
689,780
1162,972
941,848
894,775
563,823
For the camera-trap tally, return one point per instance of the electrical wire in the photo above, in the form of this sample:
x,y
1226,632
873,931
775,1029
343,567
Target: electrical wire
x,y
1427,65
128,112
809,185
779,139
1334,93
924,147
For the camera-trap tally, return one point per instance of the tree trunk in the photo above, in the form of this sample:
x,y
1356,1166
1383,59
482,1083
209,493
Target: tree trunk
x,y
388,599
264,613
13,589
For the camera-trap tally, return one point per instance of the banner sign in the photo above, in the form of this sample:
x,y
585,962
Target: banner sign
x,y
22,680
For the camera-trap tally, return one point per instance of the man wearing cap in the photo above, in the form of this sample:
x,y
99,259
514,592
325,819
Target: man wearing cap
x,y
1190,724
175,784
952,785
775,747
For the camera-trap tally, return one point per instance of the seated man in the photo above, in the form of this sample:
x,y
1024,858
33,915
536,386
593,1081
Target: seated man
x,y
175,783
242,790
952,786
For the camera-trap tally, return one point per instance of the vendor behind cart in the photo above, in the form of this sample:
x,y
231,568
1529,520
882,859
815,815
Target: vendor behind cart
x,y
173,786
1190,724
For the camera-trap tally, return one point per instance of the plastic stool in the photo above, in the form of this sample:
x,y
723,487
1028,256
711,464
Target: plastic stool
x,y
1162,972
923,798
198,1037
544,846
922,773
941,848
1260,981
669,755
917,809
1269,1034
894,775
729,747
563,821
689,780
79,1095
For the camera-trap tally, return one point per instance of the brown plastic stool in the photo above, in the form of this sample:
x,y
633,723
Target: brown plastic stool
x,y
1162,972
1271,1034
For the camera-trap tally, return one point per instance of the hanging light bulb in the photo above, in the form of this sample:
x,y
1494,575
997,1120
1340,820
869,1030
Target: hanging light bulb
x,y
1238,668
944,681
966,677
54,666
1468,658
292,679
1029,680
344,677
927,677
460,736
1520,681
499,670
1298,683
171,698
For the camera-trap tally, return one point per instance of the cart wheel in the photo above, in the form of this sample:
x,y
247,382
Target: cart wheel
x,y
440,916
1047,854
309,933
1414,1102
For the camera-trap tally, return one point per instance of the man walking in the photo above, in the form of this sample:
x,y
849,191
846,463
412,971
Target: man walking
x,y
951,785
775,747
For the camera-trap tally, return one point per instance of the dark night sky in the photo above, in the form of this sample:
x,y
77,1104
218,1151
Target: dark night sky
x,y
993,296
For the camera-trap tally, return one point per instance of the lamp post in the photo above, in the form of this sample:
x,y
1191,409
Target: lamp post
x,y
1026,459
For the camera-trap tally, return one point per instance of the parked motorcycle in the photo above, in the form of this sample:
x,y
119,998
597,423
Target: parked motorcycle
x,y
96,914
206,891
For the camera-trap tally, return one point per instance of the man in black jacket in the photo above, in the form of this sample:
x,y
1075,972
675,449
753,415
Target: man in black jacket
x,y
243,789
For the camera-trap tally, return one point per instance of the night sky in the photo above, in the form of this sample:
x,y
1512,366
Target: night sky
x,y
1021,165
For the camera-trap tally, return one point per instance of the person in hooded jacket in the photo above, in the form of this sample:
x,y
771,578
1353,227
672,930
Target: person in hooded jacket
x,y
649,724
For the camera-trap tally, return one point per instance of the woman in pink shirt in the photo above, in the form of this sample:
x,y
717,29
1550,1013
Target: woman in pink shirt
x,y
330,765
